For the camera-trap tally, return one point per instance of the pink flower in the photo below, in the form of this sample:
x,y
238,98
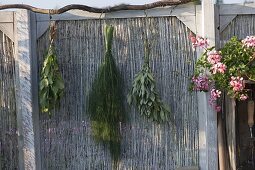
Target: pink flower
x,y
202,42
237,83
243,97
214,57
215,94
201,83
249,41
192,38
217,108
218,68
198,41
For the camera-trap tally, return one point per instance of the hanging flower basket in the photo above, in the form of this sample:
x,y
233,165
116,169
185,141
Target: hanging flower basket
x,y
225,70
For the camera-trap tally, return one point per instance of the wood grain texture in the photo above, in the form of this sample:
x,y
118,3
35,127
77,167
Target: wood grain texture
x,y
24,92
241,26
66,139
8,118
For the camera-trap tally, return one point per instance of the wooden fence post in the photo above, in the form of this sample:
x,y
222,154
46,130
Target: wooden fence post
x,y
24,97
208,150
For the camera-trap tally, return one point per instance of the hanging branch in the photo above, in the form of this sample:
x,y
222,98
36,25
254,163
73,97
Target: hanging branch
x,y
51,81
96,10
143,93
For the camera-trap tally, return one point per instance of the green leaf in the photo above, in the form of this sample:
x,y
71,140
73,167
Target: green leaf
x,y
47,70
59,84
162,115
51,83
147,100
44,83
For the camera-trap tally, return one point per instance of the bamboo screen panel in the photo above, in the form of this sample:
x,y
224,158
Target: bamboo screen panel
x,y
66,139
8,120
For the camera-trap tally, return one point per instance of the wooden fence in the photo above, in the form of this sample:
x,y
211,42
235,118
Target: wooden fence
x,y
66,140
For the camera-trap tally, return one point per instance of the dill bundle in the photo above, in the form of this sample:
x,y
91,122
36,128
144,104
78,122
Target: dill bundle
x,y
105,102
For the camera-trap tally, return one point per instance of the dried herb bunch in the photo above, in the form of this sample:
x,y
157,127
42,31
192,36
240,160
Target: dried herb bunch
x,y
51,82
143,93
105,103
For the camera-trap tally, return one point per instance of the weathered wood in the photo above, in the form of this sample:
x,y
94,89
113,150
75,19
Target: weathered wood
x,y
8,118
145,145
35,85
241,26
6,17
6,23
96,10
208,151
234,9
23,91
223,159
7,28
231,131
188,168
225,20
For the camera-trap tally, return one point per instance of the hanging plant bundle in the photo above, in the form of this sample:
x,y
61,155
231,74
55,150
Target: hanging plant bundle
x,y
105,104
51,83
144,96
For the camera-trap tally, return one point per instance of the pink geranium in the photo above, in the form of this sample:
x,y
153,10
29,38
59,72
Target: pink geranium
x,y
202,42
237,83
214,57
215,94
243,97
198,41
201,83
249,41
218,68
217,108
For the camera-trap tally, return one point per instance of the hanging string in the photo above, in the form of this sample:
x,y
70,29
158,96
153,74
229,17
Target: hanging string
x,y
100,27
53,30
146,42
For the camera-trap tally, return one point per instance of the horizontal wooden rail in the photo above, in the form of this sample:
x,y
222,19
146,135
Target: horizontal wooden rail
x,y
96,10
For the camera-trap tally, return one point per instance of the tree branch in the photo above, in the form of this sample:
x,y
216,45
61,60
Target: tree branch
x,y
96,10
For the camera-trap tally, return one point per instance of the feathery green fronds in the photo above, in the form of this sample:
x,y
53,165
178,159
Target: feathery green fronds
x,y
105,102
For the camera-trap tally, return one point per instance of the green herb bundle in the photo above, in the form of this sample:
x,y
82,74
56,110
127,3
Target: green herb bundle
x,y
105,103
51,83
143,94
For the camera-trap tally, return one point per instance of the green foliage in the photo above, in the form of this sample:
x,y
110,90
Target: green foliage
x,y
51,82
105,102
237,57
143,94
